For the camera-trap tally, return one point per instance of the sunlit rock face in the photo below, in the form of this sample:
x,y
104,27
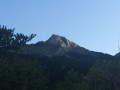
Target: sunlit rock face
x,y
62,41
55,45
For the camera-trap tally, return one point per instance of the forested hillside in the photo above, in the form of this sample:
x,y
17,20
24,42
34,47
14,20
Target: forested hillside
x,y
71,71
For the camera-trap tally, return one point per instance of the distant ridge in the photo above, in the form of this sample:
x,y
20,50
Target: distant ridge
x,y
57,45
117,55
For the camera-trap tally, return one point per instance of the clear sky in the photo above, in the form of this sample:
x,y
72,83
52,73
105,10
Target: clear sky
x,y
93,24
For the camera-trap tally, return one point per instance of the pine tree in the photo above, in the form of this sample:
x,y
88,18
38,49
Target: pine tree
x,y
9,40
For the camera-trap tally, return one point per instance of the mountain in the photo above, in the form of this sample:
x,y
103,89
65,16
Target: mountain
x,y
57,46
117,55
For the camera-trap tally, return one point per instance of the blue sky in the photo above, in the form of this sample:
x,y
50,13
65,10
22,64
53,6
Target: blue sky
x,y
93,24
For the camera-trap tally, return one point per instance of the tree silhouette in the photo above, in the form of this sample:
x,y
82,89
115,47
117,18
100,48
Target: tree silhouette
x,y
9,40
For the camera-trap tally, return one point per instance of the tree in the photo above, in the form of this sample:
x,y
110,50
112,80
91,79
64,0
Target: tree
x,y
104,75
9,40
20,74
73,81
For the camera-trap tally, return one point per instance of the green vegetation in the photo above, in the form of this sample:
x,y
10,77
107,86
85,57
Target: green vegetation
x,y
72,81
33,72
9,40
19,74
104,75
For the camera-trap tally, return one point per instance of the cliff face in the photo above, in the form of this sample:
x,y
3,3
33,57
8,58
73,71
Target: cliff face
x,y
62,41
55,45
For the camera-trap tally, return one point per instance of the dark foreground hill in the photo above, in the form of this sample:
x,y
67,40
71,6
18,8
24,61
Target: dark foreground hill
x,y
33,72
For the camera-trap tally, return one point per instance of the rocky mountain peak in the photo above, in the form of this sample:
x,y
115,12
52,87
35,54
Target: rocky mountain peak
x,y
55,45
54,38
60,40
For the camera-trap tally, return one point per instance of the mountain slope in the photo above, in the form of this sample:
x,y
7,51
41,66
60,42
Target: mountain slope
x,y
56,46
117,55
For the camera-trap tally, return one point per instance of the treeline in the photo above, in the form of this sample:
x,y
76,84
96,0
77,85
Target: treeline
x,y
32,72
45,73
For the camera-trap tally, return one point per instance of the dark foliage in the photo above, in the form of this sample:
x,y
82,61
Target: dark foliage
x,y
9,40
20,74
104,75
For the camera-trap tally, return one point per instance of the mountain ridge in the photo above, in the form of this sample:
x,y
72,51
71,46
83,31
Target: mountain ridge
x,y
56,45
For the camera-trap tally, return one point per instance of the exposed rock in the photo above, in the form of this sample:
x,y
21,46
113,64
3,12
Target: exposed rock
x,y
55,45
62,41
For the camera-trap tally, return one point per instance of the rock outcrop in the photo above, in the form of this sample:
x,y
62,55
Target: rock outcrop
x,y
56,46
